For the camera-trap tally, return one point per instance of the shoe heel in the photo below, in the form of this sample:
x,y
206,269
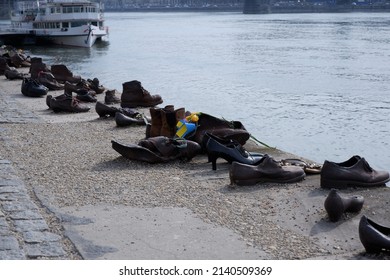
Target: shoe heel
x,y
213,159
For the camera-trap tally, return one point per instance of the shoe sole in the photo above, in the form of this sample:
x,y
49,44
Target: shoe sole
x,y
251,182
134,105
328,184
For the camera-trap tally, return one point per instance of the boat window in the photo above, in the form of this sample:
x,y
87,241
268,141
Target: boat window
x,y
67,10
77,9
78,23
95,23
65,24
55,10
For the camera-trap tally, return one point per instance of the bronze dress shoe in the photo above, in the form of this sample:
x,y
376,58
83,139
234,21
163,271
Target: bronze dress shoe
x,y
337,204
32,88
47,79
355,172
158,149
13,74
122,120
374,237
266,170
104,110
66,103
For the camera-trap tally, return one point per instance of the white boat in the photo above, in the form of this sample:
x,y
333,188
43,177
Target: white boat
x,y
64,22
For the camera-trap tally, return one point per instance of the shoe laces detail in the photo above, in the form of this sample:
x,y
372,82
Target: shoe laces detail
x,y
75,102
367,166
144,91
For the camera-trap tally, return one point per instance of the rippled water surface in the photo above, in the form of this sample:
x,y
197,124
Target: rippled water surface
x,y
317,85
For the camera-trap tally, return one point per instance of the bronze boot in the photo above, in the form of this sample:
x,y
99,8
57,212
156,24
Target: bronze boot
x,y
169,120
37,66
156,122
134,95
111,98
62,74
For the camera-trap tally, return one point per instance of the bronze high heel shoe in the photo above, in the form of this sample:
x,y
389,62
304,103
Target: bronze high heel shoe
x,y
337,204
374,237
229,150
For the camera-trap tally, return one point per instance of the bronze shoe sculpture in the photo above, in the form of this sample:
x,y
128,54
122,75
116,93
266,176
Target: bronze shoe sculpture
x,y
229,150
19,60
50,97
81,88
374,237
4,65
164,120
158,149
86,97
13,74
266,170
63,74
66,103
37,66
122,120
32,88
233,130
355,172
111,98
96,86
337,204
104,110
134,95
47,79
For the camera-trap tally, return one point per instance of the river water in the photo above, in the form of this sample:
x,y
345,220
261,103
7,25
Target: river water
x,y
317,85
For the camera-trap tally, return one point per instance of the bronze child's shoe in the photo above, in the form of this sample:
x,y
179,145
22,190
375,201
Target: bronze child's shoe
x,y
111,98
337,204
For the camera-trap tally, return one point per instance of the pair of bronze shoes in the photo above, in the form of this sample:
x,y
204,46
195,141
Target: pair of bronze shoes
x,y
123,116
158,149
374,237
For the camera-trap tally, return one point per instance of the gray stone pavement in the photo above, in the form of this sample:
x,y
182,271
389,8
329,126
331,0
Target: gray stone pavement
x,y
24,233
